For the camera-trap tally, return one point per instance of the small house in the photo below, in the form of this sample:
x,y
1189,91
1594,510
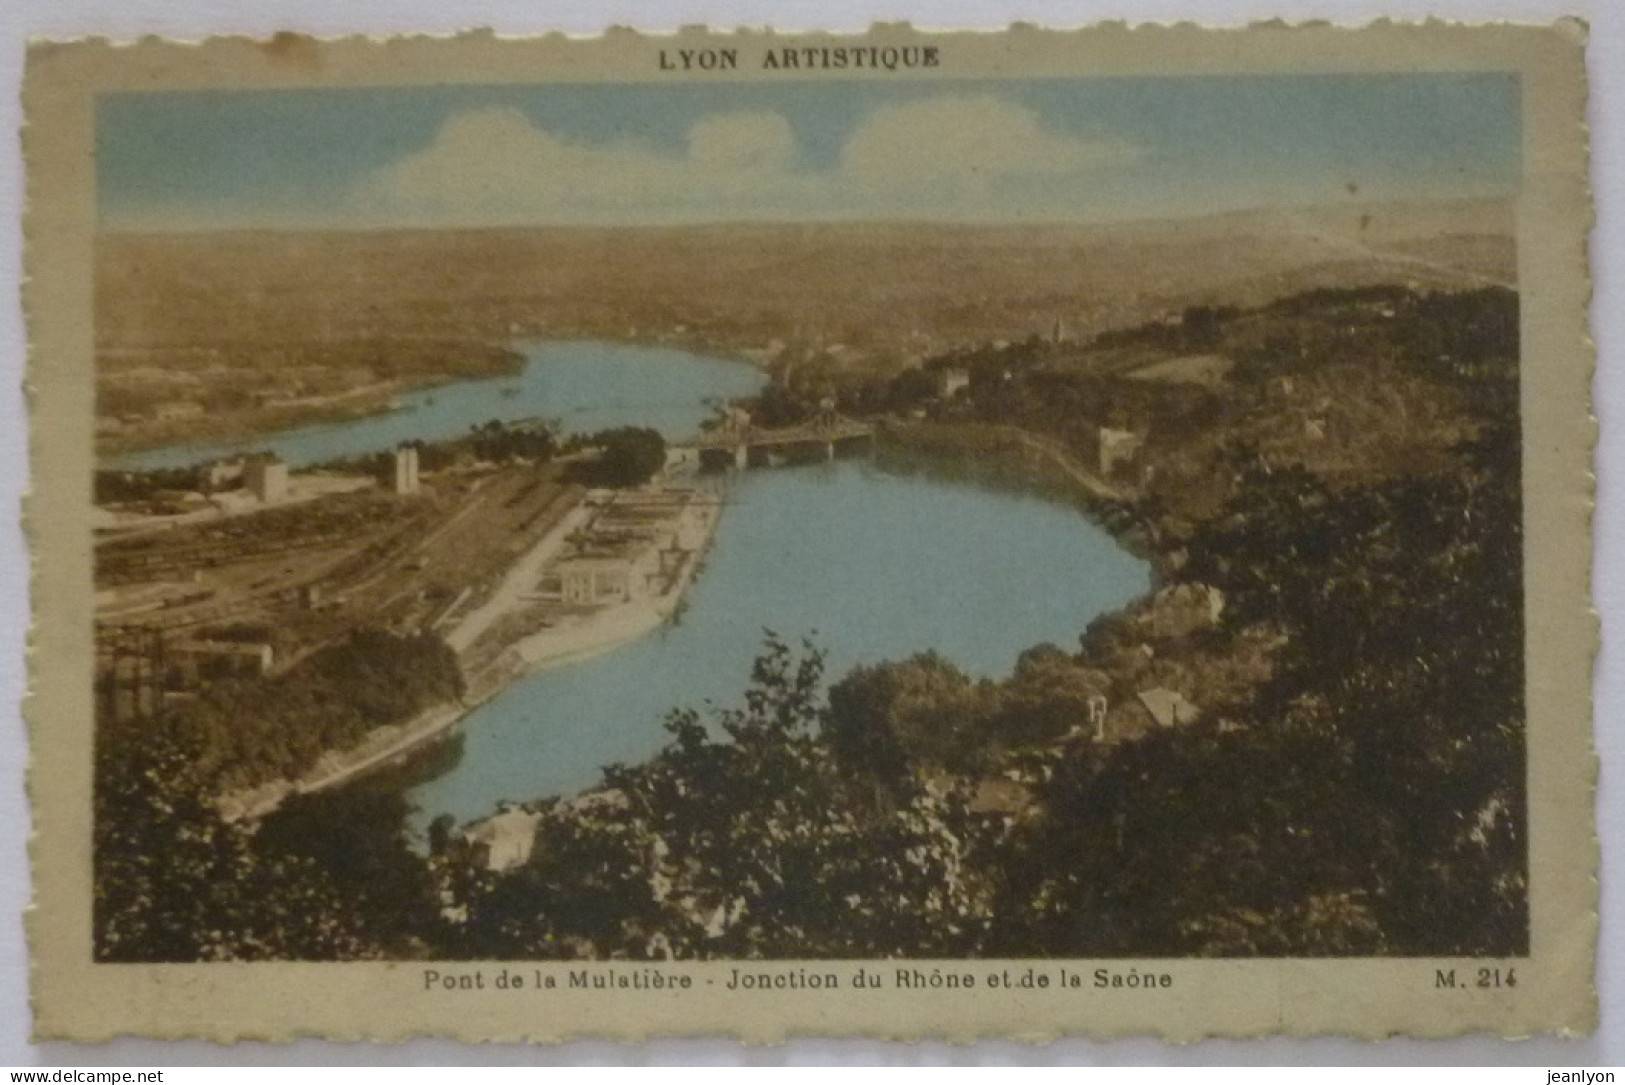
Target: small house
x,y
1167,708
505,840
1119,448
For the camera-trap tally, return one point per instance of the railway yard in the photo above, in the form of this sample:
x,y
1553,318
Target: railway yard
x,y
293,577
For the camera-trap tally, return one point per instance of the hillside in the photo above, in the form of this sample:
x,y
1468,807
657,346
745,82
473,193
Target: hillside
x,y
216,334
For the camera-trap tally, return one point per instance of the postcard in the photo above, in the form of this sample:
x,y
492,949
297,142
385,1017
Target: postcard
x,y
903,535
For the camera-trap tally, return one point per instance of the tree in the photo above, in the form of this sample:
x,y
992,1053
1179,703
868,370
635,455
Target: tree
x,y
628,456
745,837
173,882
440,830
501,442
779,404
890,718
1370,799
356,838
247,731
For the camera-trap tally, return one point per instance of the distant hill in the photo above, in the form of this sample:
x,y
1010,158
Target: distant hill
x,y
214,318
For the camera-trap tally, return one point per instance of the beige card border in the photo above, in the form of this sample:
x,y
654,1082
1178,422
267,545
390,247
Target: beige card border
x,y
75,998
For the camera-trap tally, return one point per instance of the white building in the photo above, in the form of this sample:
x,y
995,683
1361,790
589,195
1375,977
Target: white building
x,y
505,840
223,472
590,580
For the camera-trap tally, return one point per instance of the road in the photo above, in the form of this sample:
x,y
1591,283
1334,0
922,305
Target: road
x,y
516,583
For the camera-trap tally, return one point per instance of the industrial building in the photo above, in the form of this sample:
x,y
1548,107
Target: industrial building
x,y
266,477
406,470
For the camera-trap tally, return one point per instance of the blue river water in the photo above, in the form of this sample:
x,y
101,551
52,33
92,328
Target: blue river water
x,y
583,386
871,565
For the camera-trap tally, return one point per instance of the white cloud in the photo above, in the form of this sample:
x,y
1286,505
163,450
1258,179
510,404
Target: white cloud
x,y
967,142
750,141
494,166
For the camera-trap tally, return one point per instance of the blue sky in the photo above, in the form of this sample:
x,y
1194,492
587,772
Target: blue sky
x,y
997,151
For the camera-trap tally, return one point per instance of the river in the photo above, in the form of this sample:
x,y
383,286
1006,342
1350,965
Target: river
x,y
872,565
583,386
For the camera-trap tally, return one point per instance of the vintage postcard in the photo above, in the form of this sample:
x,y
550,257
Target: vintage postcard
x,y
964,536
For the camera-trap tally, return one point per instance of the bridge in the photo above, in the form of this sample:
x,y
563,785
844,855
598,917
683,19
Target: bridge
x,y
746,445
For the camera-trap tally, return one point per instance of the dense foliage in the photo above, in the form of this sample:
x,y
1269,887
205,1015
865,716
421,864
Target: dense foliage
x,y
174,882
627,456
115,487
1369,798
491,441
247,731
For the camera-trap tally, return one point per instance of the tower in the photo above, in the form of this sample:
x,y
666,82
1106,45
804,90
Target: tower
x,y
266,477
406,470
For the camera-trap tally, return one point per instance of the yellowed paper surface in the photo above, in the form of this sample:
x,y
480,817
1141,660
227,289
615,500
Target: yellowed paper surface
x,y
1053,533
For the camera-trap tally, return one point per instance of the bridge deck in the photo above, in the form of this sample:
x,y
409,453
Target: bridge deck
x,y
808,434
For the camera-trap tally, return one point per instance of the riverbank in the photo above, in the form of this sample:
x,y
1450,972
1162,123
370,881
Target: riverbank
x,y
512,635
1010,457
580,637
996,453
195,412
130,442
868,563
336,768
